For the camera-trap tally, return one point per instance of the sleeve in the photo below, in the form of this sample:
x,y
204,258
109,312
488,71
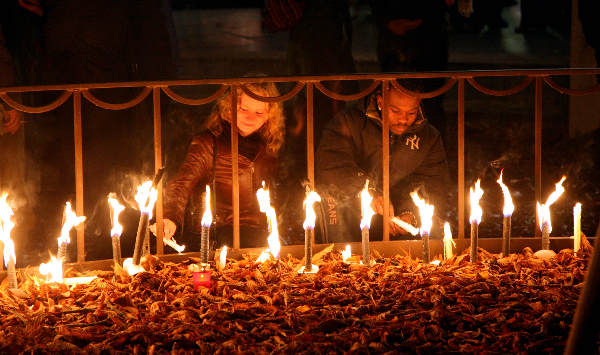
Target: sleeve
x,y
195,167
337,157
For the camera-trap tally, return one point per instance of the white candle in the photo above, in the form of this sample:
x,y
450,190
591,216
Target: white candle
x,y
577,227
448,241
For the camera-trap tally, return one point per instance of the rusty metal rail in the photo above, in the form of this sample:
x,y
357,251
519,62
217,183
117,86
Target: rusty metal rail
x,y
540,76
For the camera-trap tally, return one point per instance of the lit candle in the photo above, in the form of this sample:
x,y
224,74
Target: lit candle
x,y
448,242
475,195
346,253
206,223
223,257
543,211
507,211
426,214
264,203
115,233
6,226
309,230
146,197
365,222
71,220
577,227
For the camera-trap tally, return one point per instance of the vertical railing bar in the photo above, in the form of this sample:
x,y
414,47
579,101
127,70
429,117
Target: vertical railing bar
x,y
235,193
538,146
461,158
78,141
385,145
310,135
157,166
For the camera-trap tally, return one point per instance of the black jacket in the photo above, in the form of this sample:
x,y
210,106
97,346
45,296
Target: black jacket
x,y
350,151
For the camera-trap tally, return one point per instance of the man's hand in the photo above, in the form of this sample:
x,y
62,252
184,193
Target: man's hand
x,y
169,228
12,121
396,229
377,206
401,26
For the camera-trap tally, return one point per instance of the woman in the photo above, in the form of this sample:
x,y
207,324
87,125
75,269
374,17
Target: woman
x,y
261,134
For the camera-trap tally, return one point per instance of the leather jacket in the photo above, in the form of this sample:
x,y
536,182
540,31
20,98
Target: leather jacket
x,y
196,171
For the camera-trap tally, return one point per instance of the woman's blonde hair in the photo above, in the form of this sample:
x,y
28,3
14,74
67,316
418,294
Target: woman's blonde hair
x,y
272,131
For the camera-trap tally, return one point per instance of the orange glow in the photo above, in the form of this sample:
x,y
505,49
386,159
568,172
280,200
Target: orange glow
x,y
71,220
509,207
6,226
475,195
311,217
425,211
264,203
207,216
116,209
367,212
543,210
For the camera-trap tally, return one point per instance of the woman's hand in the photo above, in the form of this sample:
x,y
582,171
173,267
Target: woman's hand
x,y
169,228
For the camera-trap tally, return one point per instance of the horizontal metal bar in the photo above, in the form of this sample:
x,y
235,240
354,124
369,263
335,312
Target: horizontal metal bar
x,y
310,78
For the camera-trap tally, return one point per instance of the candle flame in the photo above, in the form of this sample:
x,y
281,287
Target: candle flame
x,y
509,207
52,270
131,268
264,203
311,217
425,212
475,195
365,207
116,209
146,198
223,257
543,210
436,262
346,253
207,216
71,220
6,226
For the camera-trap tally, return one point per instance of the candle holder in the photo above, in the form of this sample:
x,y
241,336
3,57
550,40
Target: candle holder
x,y
201,278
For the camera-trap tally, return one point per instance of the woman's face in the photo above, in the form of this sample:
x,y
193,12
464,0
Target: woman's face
x,y
251,115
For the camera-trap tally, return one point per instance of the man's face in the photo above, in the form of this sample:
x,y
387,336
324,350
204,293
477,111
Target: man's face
x,y
403,110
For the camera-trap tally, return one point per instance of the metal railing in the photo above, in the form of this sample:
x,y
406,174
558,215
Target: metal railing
x,y
309,83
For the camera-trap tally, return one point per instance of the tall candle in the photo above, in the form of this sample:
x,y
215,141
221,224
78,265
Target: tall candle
x,y
117,229
309,227
577,227
426,213
365,222
475,194
507,211
448,242
146,197
206,223
543,211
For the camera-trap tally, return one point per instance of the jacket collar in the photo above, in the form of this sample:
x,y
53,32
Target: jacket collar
x,y
374,114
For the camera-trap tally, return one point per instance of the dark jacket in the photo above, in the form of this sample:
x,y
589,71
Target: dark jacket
x,y
350,152
254,163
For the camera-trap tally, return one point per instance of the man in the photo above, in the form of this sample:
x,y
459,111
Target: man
x,y
351,152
